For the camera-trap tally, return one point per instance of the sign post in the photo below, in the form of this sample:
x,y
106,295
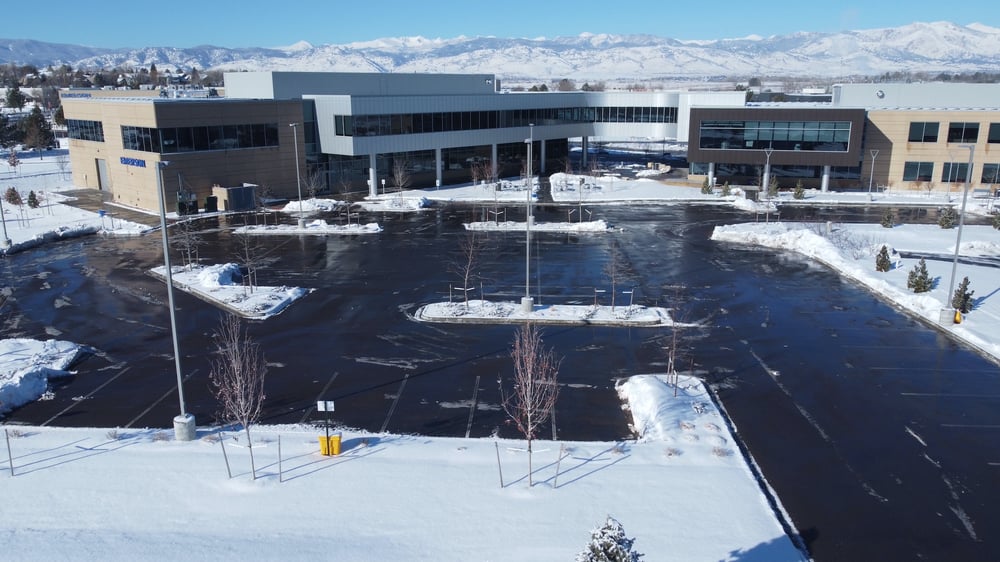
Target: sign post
x,y
326,406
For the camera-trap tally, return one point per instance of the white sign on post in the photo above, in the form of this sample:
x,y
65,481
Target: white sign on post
x,y
324,406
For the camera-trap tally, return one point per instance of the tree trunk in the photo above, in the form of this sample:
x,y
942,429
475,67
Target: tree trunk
x,y
253,469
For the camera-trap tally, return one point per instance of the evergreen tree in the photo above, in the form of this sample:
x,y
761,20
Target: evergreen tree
x,y
882,261
726,190
996,221
772,187
37,131
12,196
888,220
609,544
32,200
16,98
800,192
962,299
918,279
947,218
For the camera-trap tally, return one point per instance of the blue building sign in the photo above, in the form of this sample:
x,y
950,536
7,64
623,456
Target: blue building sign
x,y
137,162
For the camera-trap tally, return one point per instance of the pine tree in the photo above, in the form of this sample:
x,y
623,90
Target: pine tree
x,y
705,188
996,221
609,544
727,191
772,188
882,261
918,279
32,200
962,299
800,192
12,196
888,220
947,218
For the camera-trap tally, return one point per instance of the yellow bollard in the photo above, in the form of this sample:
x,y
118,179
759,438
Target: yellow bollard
x,y
958,316
334,445
324,446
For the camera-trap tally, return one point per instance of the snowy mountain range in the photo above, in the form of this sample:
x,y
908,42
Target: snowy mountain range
x,y
917,47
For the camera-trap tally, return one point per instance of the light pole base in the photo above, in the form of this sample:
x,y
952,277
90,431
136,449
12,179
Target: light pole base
x,y
946,317
302,224
184,428
527,305
6,243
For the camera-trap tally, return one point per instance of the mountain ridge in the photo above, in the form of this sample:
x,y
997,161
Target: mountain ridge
x,y
915,47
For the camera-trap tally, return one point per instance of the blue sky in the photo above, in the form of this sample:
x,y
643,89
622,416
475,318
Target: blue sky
x,y
270,23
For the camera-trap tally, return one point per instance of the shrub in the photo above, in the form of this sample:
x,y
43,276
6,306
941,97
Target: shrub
x,y
882,261
996,221
888,219
947,218
918,279
33,200
705,188
609,543
727,191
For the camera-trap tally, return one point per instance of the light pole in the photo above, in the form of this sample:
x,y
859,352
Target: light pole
x,y
766,180
298,180
961,221
5,243
527,305
184,426
871,177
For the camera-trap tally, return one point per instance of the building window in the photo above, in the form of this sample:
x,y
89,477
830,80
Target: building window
x,y
169,140
85,130
822,136
923,132
991,173
954,172
994,135
963,132
918,171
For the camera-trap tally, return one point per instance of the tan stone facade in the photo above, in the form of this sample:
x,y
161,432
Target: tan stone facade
x,y
888,132
130,175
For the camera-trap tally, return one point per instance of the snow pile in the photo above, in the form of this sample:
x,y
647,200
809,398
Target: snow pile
x,y
26,367
399,202
222,284
314,227
503,312
311,206
679,412
585,226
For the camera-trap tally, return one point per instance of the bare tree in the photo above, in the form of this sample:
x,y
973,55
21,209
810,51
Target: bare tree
x,y
187,239
345,186
469,250
616,270
248,253
530,401
314,183
400,173
238,377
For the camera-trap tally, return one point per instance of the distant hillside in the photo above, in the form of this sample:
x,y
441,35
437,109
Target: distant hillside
x,y
918,47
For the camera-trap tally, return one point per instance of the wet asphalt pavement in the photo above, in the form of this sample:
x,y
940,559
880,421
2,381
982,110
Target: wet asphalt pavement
x,y
879,435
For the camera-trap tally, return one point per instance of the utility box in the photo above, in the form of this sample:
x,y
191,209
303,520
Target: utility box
x,y
236,199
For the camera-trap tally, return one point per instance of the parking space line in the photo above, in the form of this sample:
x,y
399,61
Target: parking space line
x,y
971,426
946,395
89,394
472,408
395,401
158,400
321,396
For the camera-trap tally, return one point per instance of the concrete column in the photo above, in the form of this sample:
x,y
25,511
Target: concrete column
x,y
584,146
825,186
372,176
493,160
437,166
711,173
541,161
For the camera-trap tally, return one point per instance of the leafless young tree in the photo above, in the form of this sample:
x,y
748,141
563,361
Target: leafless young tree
x,y
62,160
400,173
465,267
314,183
187,239
248,253
238,377
345,187
616,270
530,401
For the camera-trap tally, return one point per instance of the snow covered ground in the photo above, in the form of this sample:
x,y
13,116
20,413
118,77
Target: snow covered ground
x,y
505,312
222,285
